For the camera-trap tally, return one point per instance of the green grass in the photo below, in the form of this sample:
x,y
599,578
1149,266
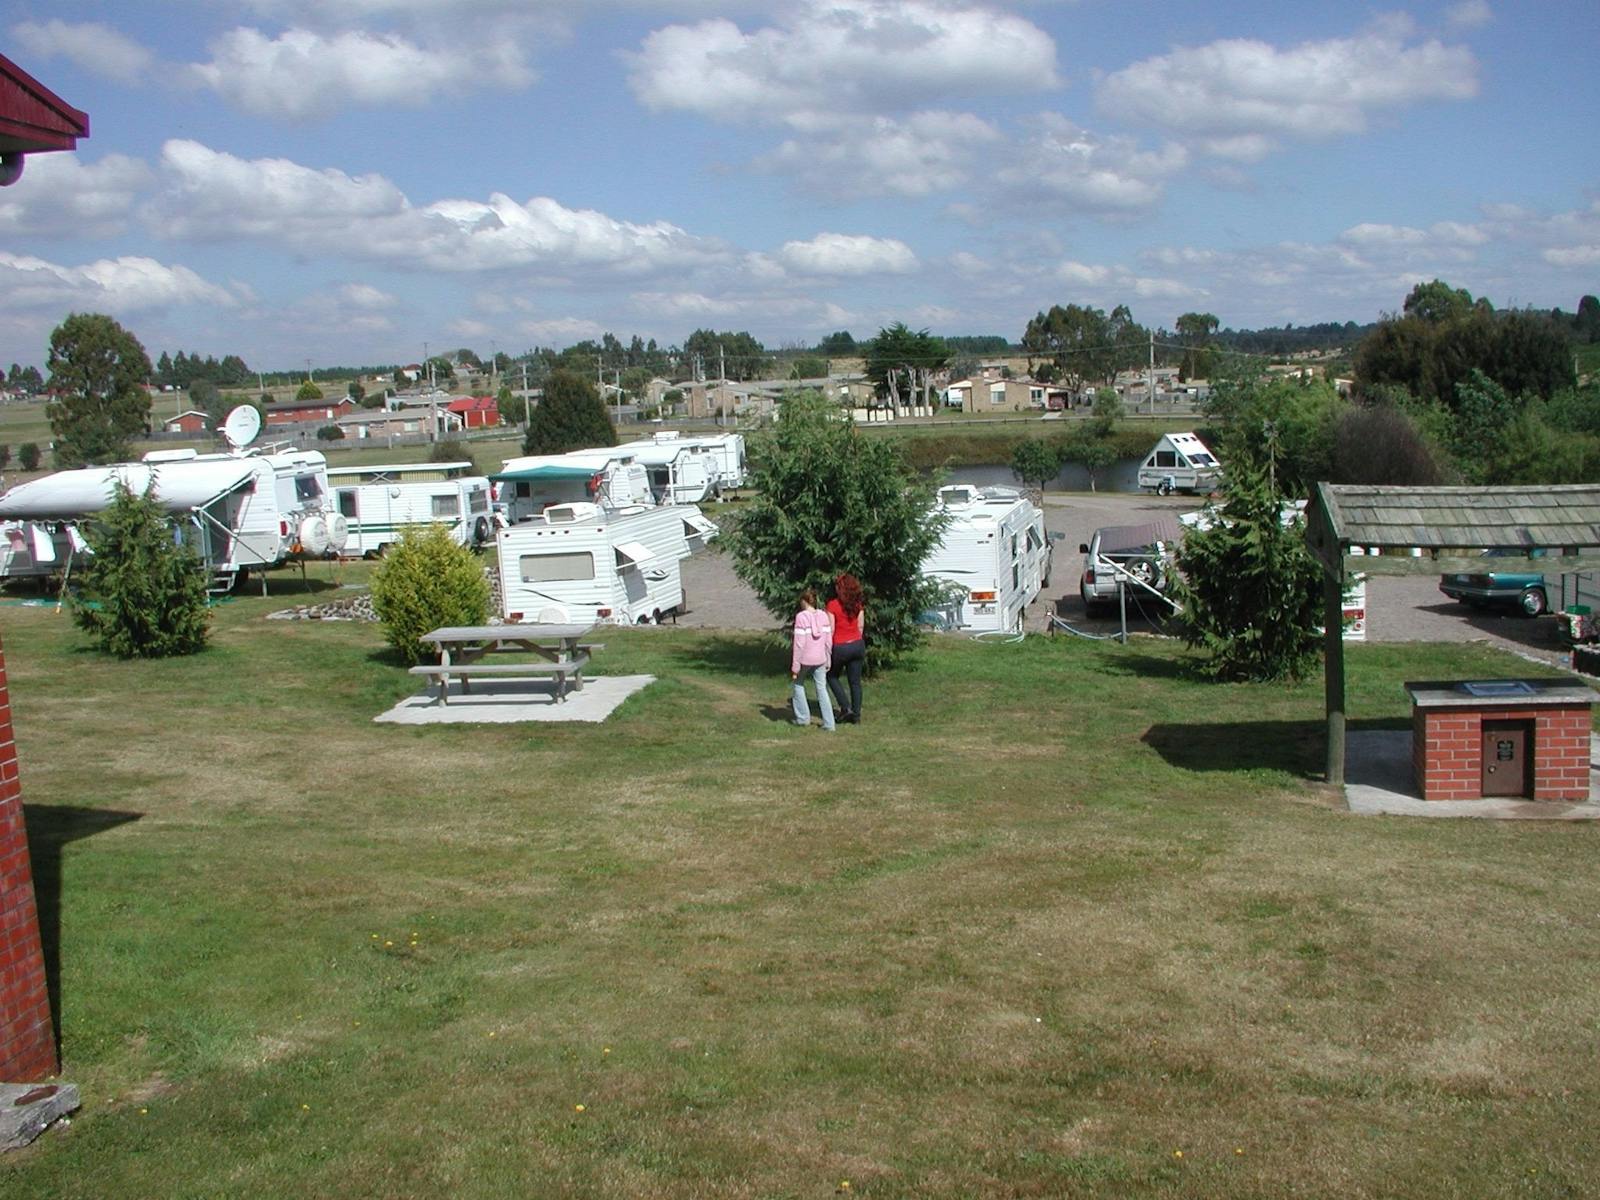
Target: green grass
x,y
1053,913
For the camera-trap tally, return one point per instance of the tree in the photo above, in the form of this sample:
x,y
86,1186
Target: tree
x,y
204,397
1076,339
5,456
837,345
1093,454
28,456
1108,410
570,417
1438,302
330,433
307,391
899,358
355,391
830,499
1587,322
739,355
1250,588
440,369
142,593
1035,461
808,366
98,372
1383,444
427,581
1195,329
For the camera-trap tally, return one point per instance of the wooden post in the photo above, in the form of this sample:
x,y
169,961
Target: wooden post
x,y
1333,666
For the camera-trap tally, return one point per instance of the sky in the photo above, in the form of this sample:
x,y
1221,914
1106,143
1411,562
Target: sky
x,y
361,182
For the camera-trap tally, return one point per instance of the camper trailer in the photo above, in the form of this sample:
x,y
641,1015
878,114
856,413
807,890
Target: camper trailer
x,y
239,512
1180,462
994,553
380,503
677,474
583,562
37,549
723,453
529,485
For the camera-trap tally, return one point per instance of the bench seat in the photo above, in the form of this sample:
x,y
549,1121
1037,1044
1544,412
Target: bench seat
x,y
523,670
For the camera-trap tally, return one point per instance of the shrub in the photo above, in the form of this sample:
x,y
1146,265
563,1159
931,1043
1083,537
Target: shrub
x,y
28,456
308,391
141,594
330,433
453,451
1035,461
427,581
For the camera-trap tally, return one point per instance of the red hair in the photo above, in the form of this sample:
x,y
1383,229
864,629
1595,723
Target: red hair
x,y
848,589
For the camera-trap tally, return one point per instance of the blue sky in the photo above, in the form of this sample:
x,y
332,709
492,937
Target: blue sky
x,y
347,181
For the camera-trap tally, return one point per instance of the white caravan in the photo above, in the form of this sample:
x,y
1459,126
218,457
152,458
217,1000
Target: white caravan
x,y
239,512
582,562
529,485
994,553
381,503
677,474
724,455
1180,462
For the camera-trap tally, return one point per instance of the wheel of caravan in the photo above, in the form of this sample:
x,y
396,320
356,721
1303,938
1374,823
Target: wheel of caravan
x,y
480,531
655,617
1164,488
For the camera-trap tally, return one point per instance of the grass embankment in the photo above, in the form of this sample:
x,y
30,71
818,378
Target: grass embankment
x,y
930,446
1055,913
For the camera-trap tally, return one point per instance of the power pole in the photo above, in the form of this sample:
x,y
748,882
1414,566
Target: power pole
x,y
1152,372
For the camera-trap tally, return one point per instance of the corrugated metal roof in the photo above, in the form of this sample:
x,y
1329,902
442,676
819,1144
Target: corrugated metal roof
x,y
1553,516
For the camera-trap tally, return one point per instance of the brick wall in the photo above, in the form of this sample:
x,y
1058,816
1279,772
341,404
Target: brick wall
x,y
1447,751
27,1036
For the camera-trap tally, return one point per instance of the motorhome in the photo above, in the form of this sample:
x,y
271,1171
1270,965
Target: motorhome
x,y
994,554
724,454
240,512
381,502
526,486
1180,462
584,562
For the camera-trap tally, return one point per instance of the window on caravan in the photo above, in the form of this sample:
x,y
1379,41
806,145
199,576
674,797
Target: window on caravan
x,y
555,568
1034,541
347,504
1166,458
306,487
478,501
446,506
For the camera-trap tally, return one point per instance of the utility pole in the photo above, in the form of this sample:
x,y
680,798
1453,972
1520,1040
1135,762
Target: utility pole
x,y
1152,372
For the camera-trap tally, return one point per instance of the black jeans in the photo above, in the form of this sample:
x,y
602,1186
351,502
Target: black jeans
x,y
848,658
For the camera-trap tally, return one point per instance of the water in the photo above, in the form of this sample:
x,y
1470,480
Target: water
x,y
1120,476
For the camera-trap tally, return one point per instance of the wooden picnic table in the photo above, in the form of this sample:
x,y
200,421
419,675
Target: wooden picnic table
x,y
547,650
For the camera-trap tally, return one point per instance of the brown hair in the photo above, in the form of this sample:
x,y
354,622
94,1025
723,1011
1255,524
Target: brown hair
x,y
848,589
809,597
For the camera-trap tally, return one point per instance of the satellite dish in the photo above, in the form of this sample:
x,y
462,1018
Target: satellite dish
x,y
241,426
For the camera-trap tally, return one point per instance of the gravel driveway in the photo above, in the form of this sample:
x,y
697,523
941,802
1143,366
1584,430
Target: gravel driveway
x,y
1399,608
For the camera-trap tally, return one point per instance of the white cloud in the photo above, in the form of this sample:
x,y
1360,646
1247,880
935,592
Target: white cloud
x,y
847,254
560,331
1572,256
212,195
1248,89
1114,284
95,48
1064,164
61,195
118,285
304,75
365,296
1469,15
841,56
843,157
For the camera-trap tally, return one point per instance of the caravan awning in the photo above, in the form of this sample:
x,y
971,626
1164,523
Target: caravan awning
x,y
179,487
633,554
544,474
695,525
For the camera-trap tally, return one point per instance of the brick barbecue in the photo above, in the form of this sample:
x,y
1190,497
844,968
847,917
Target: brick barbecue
x,y
1472,739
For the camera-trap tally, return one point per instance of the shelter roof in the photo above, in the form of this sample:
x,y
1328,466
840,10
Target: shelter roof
x,y
32,117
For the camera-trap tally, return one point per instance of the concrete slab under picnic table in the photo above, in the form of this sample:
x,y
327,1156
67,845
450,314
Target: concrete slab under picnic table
x,y
512,701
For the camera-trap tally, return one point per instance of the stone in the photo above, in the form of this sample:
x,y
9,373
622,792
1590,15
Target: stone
x,y
27,1110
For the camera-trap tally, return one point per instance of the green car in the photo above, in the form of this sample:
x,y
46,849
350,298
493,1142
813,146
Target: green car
x,y
1524,589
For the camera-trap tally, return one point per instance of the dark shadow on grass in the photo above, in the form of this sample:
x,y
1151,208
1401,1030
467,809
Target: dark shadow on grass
x,y
1129,661
49,829
752,654
1294,747
782,714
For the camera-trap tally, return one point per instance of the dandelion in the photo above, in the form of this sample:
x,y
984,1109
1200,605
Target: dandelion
x,y
305,1108
577,1108
387,944
1177,1154
1238,1149
844,1185
606,1050
142,1111
491,1033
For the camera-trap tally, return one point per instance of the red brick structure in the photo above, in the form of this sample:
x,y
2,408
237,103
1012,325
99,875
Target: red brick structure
x,y
27,1034
1504,737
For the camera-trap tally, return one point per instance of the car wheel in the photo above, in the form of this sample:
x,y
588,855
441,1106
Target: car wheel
x,y
1532,602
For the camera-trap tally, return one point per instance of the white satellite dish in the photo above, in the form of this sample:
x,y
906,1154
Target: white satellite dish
x,y
241,426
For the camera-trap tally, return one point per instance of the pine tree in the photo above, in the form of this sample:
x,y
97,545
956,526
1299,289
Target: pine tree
x,y
569,417
98,371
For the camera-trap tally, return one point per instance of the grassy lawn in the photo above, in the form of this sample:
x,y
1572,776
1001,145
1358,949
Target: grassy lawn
x,y
1055,913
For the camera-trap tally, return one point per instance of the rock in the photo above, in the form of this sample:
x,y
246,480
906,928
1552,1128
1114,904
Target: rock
x,y
27,1110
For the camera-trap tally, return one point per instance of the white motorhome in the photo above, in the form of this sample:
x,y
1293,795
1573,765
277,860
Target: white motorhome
x,y
529,485
584,562
1180,462
239,512
381,502
724,454
994,553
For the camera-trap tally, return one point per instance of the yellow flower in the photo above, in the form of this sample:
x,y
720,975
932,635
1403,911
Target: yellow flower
x,y
1177,1154
577,1108
142,1111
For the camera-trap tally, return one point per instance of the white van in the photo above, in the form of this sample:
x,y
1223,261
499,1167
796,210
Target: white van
x,y
994,553
1180,462
527,486
584,562
380,503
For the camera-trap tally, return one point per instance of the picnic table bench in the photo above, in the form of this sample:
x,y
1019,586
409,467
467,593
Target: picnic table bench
x,y
549,650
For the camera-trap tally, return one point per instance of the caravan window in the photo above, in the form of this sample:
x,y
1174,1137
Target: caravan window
x,y
556,568
478,500
347,503
446,506
1202,460
1166,458
306,487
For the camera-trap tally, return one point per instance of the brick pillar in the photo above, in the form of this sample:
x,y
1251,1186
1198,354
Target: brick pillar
x,y
27,1035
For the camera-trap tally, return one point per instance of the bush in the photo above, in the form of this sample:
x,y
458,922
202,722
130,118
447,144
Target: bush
x,y
427,581
308,391
28,456
453,451
569,417
330,433
1035,461
141,594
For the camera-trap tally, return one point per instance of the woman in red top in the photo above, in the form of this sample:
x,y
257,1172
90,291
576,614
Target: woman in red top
x,y
849,645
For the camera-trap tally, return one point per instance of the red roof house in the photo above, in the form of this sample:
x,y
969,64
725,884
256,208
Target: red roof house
x,y
476,412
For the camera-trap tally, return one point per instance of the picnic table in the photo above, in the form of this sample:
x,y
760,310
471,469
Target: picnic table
x,y
546,650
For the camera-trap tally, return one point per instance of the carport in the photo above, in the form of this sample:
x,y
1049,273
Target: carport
x,y
1431,531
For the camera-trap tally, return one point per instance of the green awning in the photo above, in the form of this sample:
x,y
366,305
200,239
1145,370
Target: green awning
x,y
544,474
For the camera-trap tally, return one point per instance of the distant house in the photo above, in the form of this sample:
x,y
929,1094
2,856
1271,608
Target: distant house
x,y
301,412
476,412
1000,395
193,421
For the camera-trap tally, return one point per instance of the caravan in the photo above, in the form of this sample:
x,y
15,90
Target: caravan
x,y
723,453
380,503
582,562
677,474
526,486
994,553
1180,462
239,512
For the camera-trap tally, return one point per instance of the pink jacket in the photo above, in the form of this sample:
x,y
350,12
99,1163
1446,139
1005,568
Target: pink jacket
x,y
813,640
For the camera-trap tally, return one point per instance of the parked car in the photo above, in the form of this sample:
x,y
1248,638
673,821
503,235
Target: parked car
x,y
1526,590
1139,550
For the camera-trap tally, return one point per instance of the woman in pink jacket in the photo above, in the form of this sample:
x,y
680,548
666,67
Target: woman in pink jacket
x,y
812,653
